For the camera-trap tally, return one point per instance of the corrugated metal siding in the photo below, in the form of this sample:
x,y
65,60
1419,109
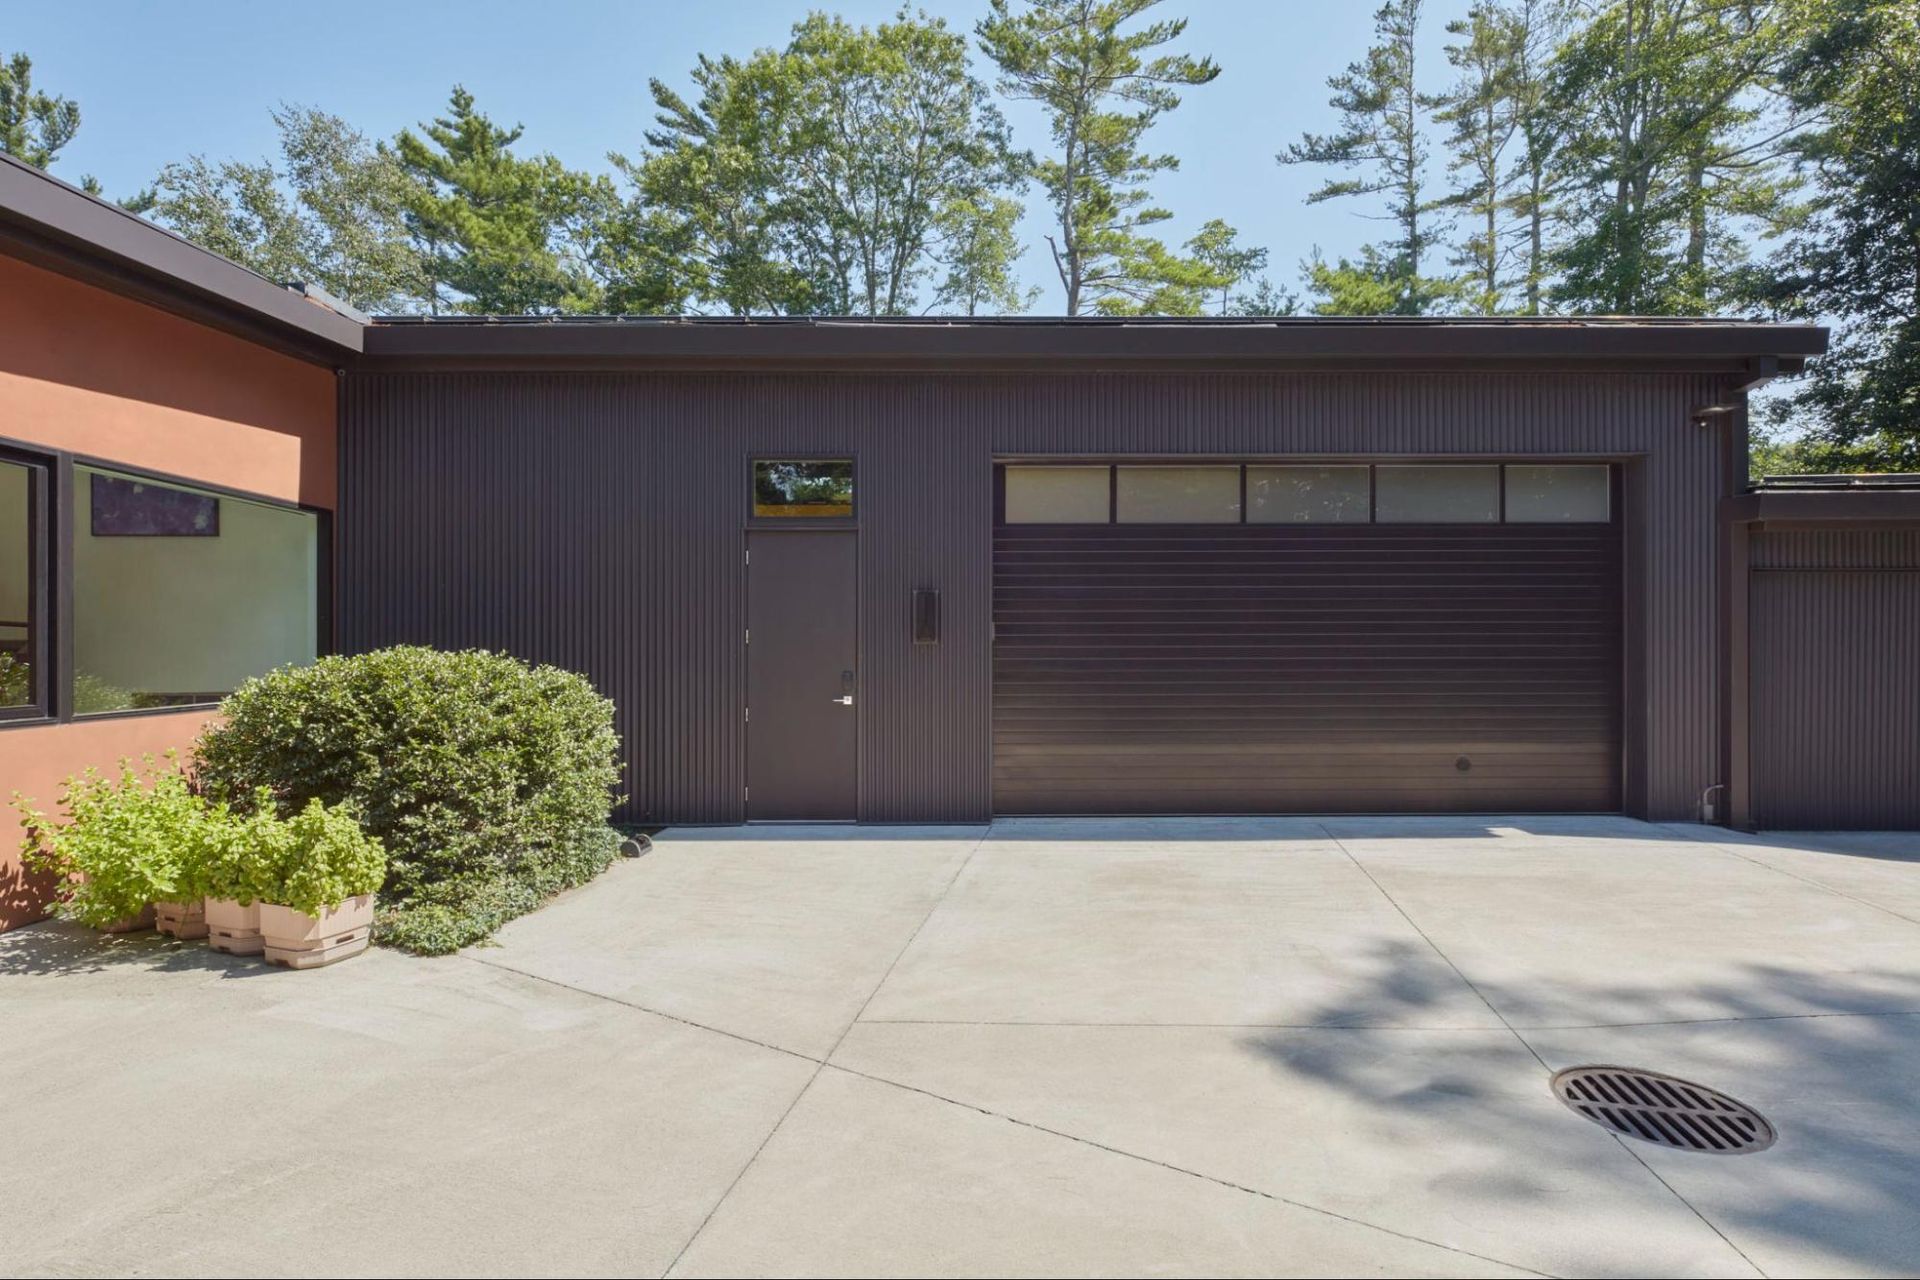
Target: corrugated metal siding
x,y
596,519
1835,636
1306,668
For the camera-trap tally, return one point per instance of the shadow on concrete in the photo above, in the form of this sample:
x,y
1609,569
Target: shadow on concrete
x,y
57,947
818,833
1276,828
1885,846
1832,1061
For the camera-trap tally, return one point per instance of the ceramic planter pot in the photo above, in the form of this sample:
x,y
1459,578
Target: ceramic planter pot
x,y
300,941
130,924
183,920
233,928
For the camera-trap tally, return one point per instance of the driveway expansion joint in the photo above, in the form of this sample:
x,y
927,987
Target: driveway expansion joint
x,y
641,1008
1734,851
820,1064
1230,1185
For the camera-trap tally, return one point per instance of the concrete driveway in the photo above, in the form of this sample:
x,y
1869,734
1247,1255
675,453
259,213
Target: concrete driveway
x,y
1247,1047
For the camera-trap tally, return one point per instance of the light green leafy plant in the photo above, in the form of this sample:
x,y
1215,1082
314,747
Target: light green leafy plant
x,y
227,865
123,843
315,860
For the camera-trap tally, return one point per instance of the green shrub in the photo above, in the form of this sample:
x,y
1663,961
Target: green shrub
x,y
124,842
488,781
458,913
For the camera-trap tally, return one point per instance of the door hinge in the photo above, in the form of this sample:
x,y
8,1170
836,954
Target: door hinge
x,y
746,713
748,636
746,793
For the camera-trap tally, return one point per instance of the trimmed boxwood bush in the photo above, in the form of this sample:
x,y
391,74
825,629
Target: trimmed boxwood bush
x,y
488,781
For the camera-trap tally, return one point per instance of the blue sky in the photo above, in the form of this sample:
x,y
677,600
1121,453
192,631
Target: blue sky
x,y
157,82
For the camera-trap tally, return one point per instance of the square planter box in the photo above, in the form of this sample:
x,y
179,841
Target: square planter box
x,y
233,928
300,941
131,924
181,919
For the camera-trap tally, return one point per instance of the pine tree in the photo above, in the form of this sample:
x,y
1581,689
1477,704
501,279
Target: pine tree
x,y
1217,247
1482,112
1382,141
493,226
1102,88
34,126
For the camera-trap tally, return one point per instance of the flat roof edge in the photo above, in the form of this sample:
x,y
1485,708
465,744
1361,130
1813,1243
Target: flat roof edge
x,y
1067,341
1857,506
43,209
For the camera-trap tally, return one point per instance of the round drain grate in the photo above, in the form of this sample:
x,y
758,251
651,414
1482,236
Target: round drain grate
x,y
1664,1109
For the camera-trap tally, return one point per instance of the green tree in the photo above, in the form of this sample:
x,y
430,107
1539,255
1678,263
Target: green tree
x,y
979,248
887,131
237,209
1382,142
830,176
1535,184
1482,112
1101,88
1854,71
1672,150
34,125
1264,298
706,188
330,214
498,231
1217,247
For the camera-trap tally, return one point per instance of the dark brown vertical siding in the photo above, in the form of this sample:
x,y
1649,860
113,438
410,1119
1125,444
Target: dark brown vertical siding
x,y
1835,672
596,519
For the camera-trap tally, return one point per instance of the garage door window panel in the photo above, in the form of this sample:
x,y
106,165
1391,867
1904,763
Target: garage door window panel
x,y
1437,494
1177,495
1059,495
1565,494
1308,495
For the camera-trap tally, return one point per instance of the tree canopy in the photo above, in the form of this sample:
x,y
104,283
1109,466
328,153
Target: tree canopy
x,y
1663,157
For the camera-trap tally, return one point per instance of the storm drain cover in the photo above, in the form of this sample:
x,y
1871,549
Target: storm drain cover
x,y
1664,1109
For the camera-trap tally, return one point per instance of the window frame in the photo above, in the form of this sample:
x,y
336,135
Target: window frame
x,y
755,520
40,535
54,565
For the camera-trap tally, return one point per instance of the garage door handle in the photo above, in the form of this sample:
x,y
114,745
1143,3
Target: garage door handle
x,y
845,700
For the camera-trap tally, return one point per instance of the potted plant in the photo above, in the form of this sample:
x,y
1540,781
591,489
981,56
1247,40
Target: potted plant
x,y
125,844
230,875
317,873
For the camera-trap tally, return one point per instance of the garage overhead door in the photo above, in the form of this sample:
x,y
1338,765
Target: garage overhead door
x,y
1291,640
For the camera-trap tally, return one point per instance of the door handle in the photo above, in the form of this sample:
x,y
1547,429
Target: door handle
x,y
845,700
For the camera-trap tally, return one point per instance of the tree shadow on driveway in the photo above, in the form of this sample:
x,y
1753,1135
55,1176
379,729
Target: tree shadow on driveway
x,y
58,948
1836,1194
